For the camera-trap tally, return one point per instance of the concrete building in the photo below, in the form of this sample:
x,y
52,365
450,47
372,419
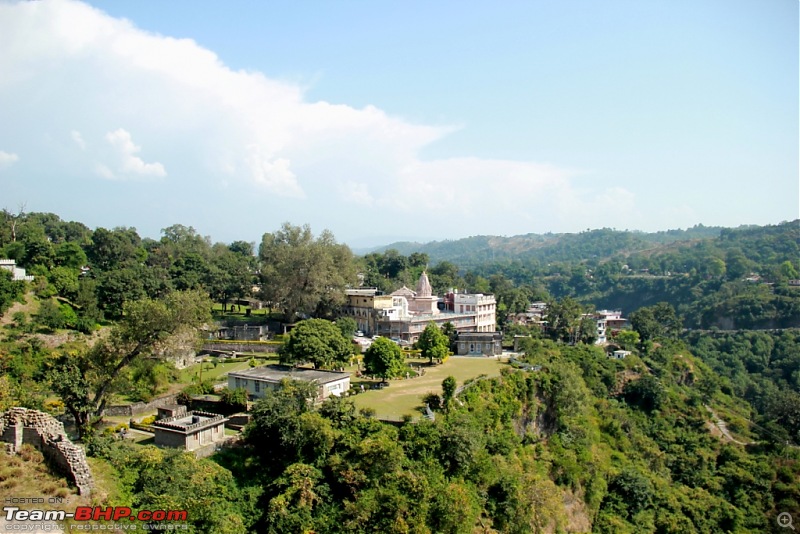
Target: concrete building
x,y
483,306
365,306
258,381
479,344
190,431
244,333
405,313
17,273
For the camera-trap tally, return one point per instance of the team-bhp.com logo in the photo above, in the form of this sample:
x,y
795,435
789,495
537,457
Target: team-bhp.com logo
x,y
94,513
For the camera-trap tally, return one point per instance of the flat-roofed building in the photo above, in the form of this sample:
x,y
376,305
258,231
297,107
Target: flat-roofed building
x,y
405,313
479,344
258,381
190,431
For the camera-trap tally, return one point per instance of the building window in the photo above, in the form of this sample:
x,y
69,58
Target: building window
x,y
257,386
238,383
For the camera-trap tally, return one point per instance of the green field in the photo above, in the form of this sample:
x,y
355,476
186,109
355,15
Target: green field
x,y
404,396
214,373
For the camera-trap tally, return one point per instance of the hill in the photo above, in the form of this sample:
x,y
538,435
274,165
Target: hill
x,y
600,243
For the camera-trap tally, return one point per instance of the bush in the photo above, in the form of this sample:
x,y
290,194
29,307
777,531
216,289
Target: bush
x,y
433,400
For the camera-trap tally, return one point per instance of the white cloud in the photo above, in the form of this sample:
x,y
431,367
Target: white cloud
x,y
240,130
7,159
126,150
78,138
104,172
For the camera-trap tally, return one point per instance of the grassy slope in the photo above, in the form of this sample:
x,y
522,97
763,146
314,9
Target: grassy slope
x,y
403,397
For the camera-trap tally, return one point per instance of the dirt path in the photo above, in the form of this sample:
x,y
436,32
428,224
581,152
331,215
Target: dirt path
x,y
723,427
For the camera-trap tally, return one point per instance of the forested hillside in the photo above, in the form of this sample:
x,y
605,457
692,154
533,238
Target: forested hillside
x,y
692,431
471,251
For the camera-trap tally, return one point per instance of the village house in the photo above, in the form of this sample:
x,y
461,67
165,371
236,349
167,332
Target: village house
x,y
258,381
189,431
17,273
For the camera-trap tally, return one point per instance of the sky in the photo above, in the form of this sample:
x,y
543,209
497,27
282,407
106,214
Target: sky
x,y
387,121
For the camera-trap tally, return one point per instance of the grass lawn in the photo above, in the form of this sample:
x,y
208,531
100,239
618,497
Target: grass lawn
x,y
210,372
404,396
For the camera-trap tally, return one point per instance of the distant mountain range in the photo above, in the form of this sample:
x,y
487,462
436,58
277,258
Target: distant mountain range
x,y
548,247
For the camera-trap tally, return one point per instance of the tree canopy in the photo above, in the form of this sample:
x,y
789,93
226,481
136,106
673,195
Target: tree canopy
x,y
384,359
433,343
318,342
86,380
303,274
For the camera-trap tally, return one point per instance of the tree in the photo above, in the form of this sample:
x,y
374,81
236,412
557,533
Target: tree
x,y
10,290
85,381
49,315
656,321
384,359
433,343
448,390
301,274
316,341
347,325
627,339
564,320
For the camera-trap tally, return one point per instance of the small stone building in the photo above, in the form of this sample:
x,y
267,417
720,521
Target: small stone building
x,y
170,410
479,344
259,380
190,431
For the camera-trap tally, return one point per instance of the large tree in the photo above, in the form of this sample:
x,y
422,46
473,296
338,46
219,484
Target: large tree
x,y
319,342
303,274
653,322
85,381
384,359
433,343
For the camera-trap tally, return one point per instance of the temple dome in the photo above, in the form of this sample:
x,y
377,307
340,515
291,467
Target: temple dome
x,y
424,288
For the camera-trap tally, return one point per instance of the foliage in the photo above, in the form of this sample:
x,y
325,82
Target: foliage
x,y
234,399
84,381
384,359
316,341
10,290
347,325
433,344
303,274
448,390
163,479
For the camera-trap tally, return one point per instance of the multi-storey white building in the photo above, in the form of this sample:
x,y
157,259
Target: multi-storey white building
x,y
405,313
483,306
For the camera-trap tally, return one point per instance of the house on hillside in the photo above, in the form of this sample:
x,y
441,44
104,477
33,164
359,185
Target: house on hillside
x,y
17,273
189,431
261,380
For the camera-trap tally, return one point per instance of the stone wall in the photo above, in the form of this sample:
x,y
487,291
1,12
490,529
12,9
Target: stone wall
x,y
140,407
264,347
20,425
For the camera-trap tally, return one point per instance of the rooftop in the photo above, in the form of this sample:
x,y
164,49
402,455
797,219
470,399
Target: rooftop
x,y
276,373
189,422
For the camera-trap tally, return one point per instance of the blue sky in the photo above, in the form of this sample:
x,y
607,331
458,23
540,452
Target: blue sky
x,y
383,121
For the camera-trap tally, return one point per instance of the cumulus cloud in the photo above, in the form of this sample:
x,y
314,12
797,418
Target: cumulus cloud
x,y
129,162
7,159
223,128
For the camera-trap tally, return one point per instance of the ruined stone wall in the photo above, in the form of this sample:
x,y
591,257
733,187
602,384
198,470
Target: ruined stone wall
x,y
21,425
